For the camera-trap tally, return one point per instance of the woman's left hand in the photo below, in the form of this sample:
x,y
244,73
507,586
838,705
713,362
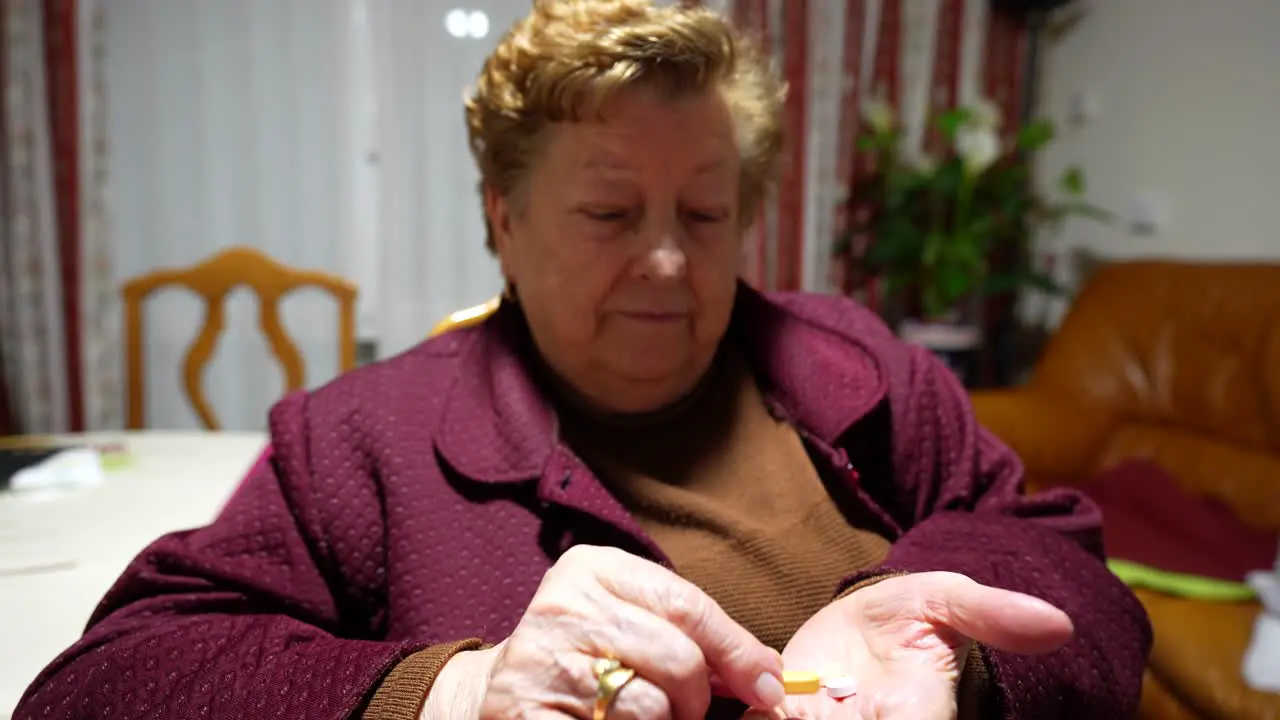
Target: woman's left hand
x,y
904,641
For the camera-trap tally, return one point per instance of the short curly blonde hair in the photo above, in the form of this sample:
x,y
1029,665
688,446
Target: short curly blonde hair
x,y
568,56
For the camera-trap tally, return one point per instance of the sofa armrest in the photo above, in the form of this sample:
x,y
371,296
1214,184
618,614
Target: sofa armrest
x,y
1058,440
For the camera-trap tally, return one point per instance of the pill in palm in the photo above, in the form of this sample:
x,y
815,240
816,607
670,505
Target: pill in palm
x,y
801,683
840,686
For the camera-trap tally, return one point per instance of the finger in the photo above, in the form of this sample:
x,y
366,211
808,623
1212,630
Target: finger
x,y
1002,619
564,684
757,714
718,688
659,652
639,699
749,668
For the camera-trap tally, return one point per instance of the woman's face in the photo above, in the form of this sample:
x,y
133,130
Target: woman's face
x,y
624,246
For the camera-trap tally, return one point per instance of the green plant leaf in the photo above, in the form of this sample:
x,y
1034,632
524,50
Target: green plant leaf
x,y
1072,180
896,246
949,122
946,180
1035,135
966,249
1060,211
933,248
985,231
953,282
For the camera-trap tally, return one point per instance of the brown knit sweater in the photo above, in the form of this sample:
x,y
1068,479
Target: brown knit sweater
x,y
731,496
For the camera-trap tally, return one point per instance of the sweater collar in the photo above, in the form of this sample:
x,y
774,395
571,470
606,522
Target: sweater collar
x,y
499,425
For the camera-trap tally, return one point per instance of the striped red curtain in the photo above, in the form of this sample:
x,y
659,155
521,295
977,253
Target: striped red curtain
x,y
1005,68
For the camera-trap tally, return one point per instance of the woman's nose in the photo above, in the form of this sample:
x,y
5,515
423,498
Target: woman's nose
x,y
664,257
668,262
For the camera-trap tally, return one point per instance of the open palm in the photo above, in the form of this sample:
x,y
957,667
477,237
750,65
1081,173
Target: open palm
x,y
905,640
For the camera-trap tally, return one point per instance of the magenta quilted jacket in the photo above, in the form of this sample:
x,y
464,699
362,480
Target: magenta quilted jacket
x,y
421,499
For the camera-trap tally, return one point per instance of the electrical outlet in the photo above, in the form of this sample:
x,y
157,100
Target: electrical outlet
x,y
1148,213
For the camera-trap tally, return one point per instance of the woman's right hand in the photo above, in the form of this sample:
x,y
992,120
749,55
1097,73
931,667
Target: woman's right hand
x,y
603,602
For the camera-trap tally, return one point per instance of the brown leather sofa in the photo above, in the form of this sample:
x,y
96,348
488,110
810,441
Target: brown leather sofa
x,y
1177,363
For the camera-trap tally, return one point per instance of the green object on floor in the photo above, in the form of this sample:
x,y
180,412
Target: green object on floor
x,y
1195,587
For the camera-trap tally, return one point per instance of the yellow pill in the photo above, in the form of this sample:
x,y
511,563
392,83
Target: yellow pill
x,y
801,683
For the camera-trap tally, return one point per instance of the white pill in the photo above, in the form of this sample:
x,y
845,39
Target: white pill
x,y
841,686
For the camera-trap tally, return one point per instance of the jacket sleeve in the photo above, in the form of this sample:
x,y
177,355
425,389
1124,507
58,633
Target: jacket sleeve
x,y
958,495
244,618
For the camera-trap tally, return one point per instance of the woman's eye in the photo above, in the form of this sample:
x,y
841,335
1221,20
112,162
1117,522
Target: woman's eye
x,y
603,215
706,216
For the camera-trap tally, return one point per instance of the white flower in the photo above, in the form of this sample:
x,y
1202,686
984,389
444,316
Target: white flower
x,y
978,147
984,113
878,113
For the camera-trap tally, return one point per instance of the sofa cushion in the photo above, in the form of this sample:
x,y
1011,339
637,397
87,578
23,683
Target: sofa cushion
x,y
1198,652
1158,703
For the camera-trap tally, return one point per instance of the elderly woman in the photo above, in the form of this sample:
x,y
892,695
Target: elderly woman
x,y
640,489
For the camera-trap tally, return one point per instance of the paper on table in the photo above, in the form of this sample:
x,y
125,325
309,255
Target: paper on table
x,y
71,468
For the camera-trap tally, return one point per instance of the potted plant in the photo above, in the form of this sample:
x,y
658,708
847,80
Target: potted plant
x,y
930,228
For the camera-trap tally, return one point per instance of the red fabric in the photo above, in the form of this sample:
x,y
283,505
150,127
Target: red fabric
x,y
1150,519
421,500
64,129
7,424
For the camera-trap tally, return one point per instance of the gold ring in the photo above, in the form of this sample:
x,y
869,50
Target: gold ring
x,y
611,676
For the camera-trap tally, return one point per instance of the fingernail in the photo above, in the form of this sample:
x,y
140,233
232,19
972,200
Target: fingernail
x,y
769,690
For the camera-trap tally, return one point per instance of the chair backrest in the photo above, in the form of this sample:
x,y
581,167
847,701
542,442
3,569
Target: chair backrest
x,y
213,279
467,317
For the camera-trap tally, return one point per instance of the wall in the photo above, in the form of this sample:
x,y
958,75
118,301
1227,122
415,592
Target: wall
x,y
1186,100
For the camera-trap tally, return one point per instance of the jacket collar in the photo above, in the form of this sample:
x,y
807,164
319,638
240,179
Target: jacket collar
x,y
498,425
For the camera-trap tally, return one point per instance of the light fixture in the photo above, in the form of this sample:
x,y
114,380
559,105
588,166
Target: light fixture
x,y
478,24
455,22
466,24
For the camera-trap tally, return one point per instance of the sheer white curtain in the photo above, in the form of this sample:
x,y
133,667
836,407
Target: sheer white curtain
x,y
231,123
430,224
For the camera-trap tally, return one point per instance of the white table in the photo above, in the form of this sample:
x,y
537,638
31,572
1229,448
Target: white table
x,y
84,538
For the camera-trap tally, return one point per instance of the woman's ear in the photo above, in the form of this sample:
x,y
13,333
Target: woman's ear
x,y
497,210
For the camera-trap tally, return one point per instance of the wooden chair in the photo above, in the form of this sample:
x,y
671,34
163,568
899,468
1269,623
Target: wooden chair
x,y
213,279
467,317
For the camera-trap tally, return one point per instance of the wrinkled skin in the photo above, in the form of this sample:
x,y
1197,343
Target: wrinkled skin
x,y
906,639
597,602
